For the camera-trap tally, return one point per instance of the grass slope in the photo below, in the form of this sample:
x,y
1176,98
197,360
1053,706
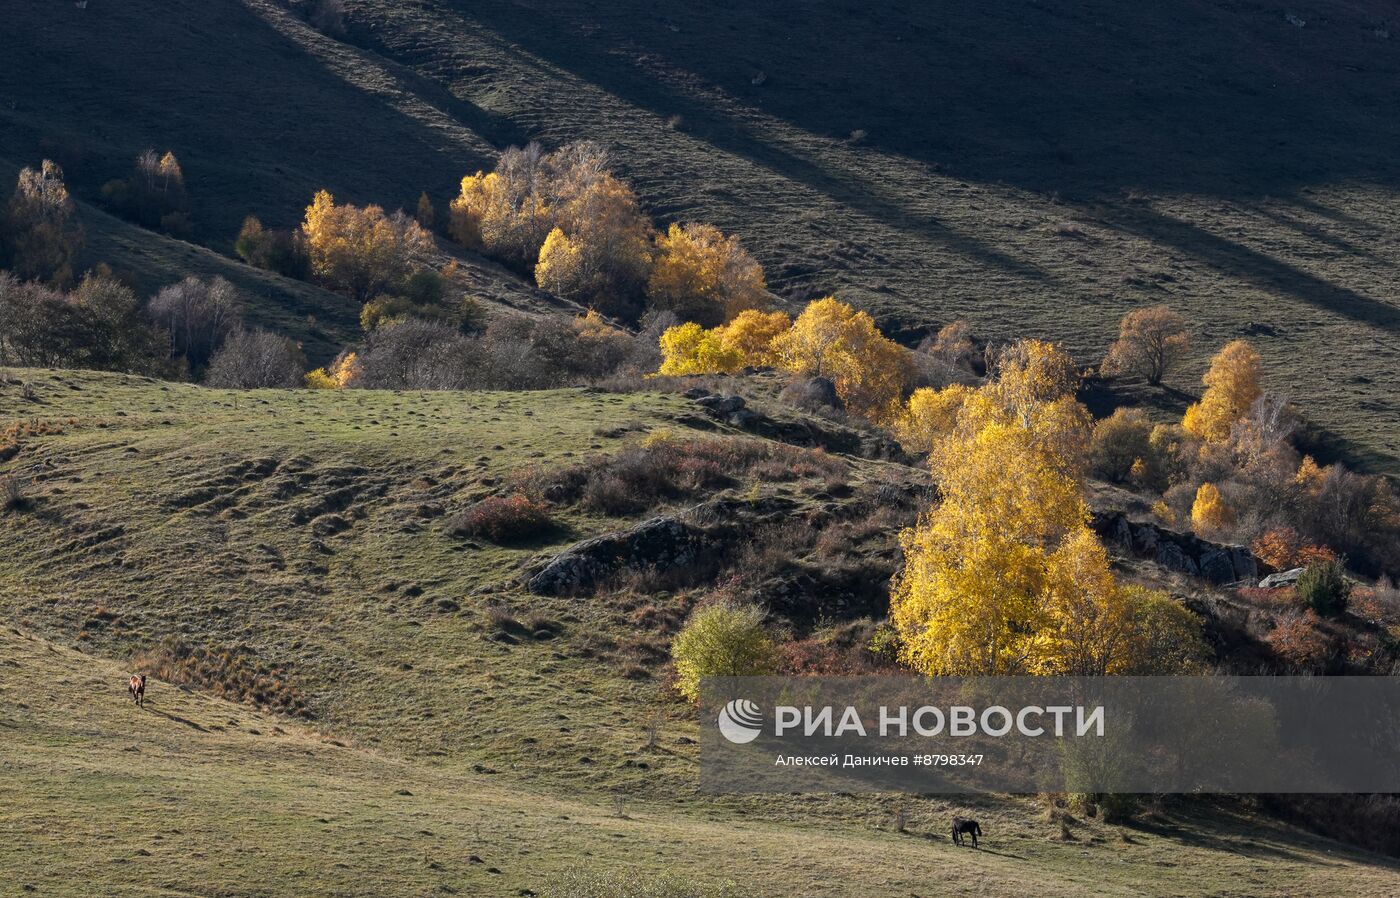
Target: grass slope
x,y
305,531
1036,170
195,796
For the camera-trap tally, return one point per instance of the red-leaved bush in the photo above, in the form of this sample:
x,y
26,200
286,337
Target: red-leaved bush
x,y
503,519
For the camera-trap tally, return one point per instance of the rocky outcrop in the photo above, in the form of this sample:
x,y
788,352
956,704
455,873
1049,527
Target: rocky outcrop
x,y
687,545
1182,552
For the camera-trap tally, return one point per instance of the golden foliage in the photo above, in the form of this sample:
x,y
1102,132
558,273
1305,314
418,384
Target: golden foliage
x,y
602,251
930,416
691,349
561,264
1232,386
752,333
1031,374
362,252
1004,576
1209,512
701,274
1150,341
830,339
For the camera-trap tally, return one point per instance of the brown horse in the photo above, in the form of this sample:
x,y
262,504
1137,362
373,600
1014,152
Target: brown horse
x,y
137,688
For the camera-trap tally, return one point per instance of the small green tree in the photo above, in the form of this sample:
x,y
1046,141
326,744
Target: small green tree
x,y
722,641
1323,587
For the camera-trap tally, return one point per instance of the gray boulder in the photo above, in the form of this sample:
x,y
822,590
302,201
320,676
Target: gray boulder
x,y
1282,578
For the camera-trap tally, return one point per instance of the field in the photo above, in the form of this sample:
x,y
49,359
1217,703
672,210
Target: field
x,y
1037,170
420,752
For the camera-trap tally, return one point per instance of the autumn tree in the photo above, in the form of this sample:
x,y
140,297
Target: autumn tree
x,y
506,213
607,238
1004,575
1232,386
1209,512
702,275
1150,342
949,354
42,235
425,214
362,252
930,416
832,340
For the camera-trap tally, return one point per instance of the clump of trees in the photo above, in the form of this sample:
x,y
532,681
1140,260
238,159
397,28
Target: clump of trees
x,y
704,276
513,352
568,220
40,236
1004,575
829,339
98,325
362,252
153,195
196,316
256,359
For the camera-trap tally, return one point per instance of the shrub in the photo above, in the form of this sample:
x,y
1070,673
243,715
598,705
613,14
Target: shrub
x,y
274,250
14,493
1120,442
256,359
413,354
1300,641
722,641
1150,342
503,519
1323,587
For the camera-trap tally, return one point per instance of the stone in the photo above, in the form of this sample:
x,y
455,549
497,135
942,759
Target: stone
x,y
1216,566
1283,578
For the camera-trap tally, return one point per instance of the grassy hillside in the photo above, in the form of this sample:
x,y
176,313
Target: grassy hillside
x,y
411,737
197,796
1037,170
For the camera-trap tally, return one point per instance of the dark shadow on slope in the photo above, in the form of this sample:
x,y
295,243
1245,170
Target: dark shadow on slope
x,y
564,47
257,122
1078,97
1251,265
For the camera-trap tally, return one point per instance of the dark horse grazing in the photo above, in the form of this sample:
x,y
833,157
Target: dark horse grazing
x,y
137,688
970,827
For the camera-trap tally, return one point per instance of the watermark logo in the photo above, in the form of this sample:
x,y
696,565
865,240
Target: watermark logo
x,y
740,721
